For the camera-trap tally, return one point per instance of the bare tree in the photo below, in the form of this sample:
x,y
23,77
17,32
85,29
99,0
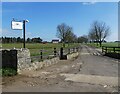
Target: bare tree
x,y
63,32
71,37
99,31
92,36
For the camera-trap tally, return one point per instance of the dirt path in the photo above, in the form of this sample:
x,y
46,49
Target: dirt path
x,y
90,72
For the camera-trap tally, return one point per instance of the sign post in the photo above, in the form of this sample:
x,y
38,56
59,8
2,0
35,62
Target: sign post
x,y
23,33
19,25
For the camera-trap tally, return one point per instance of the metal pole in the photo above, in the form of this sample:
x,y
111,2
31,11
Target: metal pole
x,y
23,33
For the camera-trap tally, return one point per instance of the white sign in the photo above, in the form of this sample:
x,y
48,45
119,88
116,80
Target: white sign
x,y
17,25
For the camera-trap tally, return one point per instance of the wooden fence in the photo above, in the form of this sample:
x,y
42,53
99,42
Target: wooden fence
x,y
48,54
107,49
113,52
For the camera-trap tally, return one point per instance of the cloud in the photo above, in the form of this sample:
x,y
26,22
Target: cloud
x,y
6,32
14,33
89,3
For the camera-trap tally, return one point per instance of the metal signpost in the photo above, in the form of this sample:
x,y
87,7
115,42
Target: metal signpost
x,y
19,25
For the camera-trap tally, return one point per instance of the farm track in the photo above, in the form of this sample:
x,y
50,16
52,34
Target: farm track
x,y
92,50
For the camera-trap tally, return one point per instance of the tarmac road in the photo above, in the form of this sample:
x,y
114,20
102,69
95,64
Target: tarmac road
x,y
89,72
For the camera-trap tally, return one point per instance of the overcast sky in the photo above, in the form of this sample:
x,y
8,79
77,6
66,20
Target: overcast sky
x,y
44,17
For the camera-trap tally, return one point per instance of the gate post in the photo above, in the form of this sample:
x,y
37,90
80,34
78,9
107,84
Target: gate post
x,y
61,52
41,57
68,50
62,57
55,52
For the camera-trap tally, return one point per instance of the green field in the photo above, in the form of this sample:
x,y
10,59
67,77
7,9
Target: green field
x,y
111,44
36,47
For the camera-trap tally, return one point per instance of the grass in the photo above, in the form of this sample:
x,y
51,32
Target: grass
x,y
109,44
7,72
36,47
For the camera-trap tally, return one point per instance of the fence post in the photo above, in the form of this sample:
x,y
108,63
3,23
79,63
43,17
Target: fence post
x,y
77,49
68,50
105,49
73,50
55,52
114,49
102,49
41,57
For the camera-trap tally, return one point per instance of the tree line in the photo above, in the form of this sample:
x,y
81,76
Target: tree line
x,y
20,40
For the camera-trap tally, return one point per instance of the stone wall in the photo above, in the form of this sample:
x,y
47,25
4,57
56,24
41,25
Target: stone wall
x,y
73,55
45,63
24,61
